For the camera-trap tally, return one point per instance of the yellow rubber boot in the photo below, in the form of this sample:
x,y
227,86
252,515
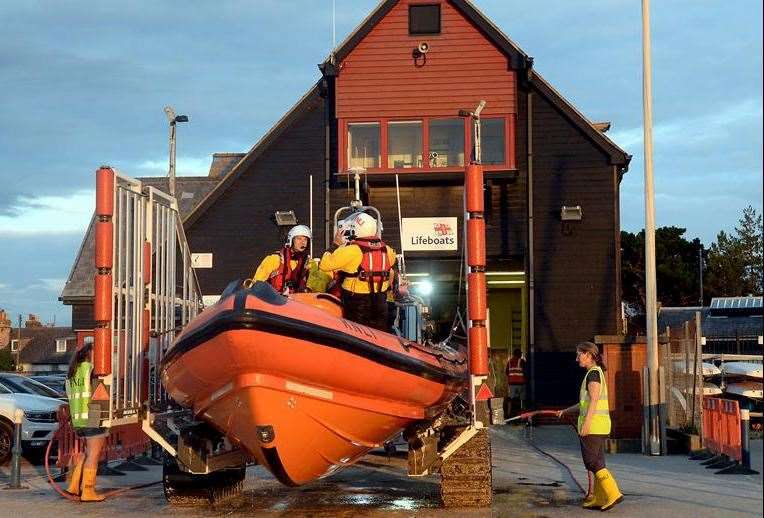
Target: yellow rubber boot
x,y
593,499
611,494
88,487
75,477
590,502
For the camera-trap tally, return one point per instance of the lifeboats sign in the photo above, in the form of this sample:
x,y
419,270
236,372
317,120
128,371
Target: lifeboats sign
x,y
427,234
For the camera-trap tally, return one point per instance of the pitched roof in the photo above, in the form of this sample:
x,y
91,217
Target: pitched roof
x,y
79,285
222,163
38,344
518,60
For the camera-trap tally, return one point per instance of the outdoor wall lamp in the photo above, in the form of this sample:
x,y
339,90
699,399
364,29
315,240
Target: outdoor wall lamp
x,y
571,213
285,218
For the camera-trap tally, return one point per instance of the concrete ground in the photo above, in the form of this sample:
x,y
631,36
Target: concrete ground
x,y
526,483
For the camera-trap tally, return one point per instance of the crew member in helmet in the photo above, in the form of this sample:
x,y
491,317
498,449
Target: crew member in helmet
x,y
365,265
287,269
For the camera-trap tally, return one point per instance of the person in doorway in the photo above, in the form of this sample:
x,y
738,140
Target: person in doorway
x,y
364,264
287,269
78,390
594,427
515,372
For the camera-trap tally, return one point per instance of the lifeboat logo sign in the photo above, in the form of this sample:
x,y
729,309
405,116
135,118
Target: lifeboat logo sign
x,y
429,234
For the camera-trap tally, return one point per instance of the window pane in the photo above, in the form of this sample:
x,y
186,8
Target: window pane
x,y
404,144
492,141
363,145
424,19
446,142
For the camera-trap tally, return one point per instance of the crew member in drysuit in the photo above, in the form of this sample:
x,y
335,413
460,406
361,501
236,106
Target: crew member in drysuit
x,y
364,265
594,427
287,269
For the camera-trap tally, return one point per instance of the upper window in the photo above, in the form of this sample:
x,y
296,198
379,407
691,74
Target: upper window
x,y
446,142
60,345
14,346
424,19
492,141
363,145
404,144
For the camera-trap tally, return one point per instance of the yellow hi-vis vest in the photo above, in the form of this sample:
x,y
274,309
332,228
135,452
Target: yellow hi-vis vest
x,y
601,420
78,392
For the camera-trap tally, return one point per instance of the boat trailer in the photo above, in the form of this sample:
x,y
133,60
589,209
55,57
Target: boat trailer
x,y
146,291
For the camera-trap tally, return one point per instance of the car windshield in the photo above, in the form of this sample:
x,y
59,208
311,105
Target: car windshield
x,y
22,385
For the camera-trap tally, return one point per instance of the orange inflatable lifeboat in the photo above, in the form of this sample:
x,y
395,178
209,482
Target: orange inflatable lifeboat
x,y
303,390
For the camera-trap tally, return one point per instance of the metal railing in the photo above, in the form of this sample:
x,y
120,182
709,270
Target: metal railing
x,y
147,287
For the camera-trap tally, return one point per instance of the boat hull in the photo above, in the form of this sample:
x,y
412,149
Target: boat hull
x,y
305,396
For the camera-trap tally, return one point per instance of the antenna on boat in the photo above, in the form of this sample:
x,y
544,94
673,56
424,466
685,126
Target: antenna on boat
x,y
357,171
310,212
402,258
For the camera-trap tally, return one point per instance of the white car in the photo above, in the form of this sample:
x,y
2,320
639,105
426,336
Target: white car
x,y
39,404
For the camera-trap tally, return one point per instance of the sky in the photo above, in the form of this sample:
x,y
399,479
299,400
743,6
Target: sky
x,y
84,83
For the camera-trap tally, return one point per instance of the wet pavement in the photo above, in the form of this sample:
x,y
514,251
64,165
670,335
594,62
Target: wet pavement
x,y
526,483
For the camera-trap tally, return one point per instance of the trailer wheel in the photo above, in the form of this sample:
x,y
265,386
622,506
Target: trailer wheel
x,y
187,489
466,477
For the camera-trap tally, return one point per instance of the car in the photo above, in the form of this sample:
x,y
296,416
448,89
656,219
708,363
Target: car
x,y
39,422
53,382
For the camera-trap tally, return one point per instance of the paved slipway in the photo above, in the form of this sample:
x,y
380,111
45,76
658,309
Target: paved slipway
x,y
526,483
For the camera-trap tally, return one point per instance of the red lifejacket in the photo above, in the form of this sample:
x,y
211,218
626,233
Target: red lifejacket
x,y
287,279
375,265
515,373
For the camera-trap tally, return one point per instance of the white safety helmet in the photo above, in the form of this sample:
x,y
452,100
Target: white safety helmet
x,y
298,230
364,225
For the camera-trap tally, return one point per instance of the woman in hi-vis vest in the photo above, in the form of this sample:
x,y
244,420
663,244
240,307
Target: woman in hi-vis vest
x,y
79,391
594,427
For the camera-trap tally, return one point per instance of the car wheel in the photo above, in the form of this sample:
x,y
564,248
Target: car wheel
x,y
6,442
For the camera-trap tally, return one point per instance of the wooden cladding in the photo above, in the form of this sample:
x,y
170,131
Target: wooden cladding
x,y
383,77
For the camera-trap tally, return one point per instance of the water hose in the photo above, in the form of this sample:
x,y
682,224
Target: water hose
x,y
528,416
75,498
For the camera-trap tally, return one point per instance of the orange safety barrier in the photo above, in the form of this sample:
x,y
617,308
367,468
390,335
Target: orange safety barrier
x,y
722,427
730,413
709,438
123,441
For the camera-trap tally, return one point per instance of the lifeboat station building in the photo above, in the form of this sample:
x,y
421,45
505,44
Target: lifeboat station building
x,y
387,100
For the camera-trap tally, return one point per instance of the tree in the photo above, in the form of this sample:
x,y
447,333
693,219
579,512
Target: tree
x,y
749,233
6,360
676,261
735,261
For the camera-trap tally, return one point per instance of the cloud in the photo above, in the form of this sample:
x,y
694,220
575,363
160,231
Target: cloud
x,y
184,166
699,130
54,285
49,214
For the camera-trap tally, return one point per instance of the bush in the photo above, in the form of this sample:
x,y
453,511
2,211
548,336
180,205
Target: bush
x,y
6,360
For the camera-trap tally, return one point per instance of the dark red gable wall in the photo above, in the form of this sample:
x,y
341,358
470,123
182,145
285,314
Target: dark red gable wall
x,y
379,79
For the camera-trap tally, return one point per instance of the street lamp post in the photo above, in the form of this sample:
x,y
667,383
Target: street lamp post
x,y
173,119
653,402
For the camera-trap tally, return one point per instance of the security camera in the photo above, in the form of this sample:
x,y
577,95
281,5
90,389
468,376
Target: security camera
x,y
423,47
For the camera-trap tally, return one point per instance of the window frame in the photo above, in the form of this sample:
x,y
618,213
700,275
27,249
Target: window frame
x,y
60,340
440,20
382,140
14,345
343,151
